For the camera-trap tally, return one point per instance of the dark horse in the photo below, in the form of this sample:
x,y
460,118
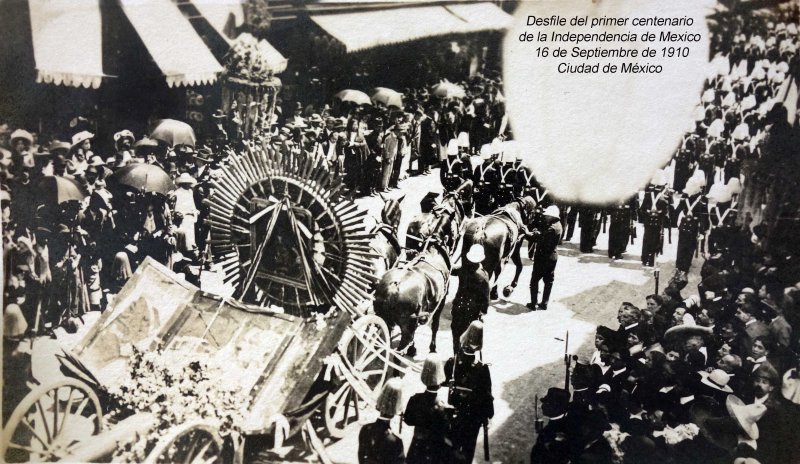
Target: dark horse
x,y
409,295
423,225
384,242
500,233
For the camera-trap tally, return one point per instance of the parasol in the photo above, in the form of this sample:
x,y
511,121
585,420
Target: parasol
x,y
388,97
57,189
356,96
447,89
143,177
174,132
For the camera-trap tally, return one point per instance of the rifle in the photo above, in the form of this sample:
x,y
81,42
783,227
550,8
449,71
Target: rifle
x,y
656,273
486,441
567,362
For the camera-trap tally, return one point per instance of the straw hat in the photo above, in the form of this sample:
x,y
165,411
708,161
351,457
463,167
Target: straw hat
x,y
716,379
81,137
746,415
21,134
185,178
684,331
476,253
472,338
390,401
14,324
432,371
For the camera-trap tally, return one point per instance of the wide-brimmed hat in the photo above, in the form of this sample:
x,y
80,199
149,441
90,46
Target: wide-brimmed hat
x,y
14,324
684,331
432,371
21,134
472,338
316,118
81,137
185,178
57,145
746,415
219,114
124,134
552,211
716,379
390,401
476,253
96,161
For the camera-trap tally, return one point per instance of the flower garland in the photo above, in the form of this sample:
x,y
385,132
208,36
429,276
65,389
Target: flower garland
x,y
175,392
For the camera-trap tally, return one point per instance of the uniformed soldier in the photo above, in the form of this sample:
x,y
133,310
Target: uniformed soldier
x,y
527,185
485,177
470,394
377,443
589,222
472,296
430,418
692,225
623,217
505,185
553,443
450,173
684,162
545,257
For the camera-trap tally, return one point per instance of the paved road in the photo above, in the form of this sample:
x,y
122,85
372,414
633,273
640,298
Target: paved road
x,y
525,349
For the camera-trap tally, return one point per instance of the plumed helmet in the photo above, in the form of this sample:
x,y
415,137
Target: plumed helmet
x,y
432,371
390,401
472,338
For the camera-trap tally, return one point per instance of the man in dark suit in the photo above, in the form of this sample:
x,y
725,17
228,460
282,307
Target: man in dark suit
x,y
545,257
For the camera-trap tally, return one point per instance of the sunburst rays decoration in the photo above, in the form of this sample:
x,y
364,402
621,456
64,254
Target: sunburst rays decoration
x,y
272,213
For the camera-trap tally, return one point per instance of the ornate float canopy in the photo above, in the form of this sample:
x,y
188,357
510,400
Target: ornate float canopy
x,y
285,234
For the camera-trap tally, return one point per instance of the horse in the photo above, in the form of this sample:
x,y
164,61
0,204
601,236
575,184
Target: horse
x,y
500,234
410,295
423,225
384,243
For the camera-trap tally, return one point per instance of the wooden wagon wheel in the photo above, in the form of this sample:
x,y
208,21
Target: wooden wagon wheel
x,y
51,421
194,442
365,349
285,236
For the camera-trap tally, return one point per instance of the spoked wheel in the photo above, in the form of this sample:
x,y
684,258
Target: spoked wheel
x,y
191,443
365,350
51,421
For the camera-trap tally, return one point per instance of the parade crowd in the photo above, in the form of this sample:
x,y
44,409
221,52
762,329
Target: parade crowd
x,y
705,376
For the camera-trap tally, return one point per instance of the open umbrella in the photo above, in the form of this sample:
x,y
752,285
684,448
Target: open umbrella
x,y
174,132
388,97
447,89
143,177
356,96
56,189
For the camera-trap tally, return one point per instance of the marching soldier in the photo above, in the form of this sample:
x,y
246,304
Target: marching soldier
x,y
654,218
470,394
451,172
621,227
486,179
589,222
692,214
377,443
505,185
527,185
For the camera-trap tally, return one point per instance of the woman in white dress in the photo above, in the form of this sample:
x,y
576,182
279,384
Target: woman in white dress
x,y
183,197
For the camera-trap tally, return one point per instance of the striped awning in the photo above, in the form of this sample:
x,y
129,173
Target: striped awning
x,y
68,39
179,52
67,42
370,29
